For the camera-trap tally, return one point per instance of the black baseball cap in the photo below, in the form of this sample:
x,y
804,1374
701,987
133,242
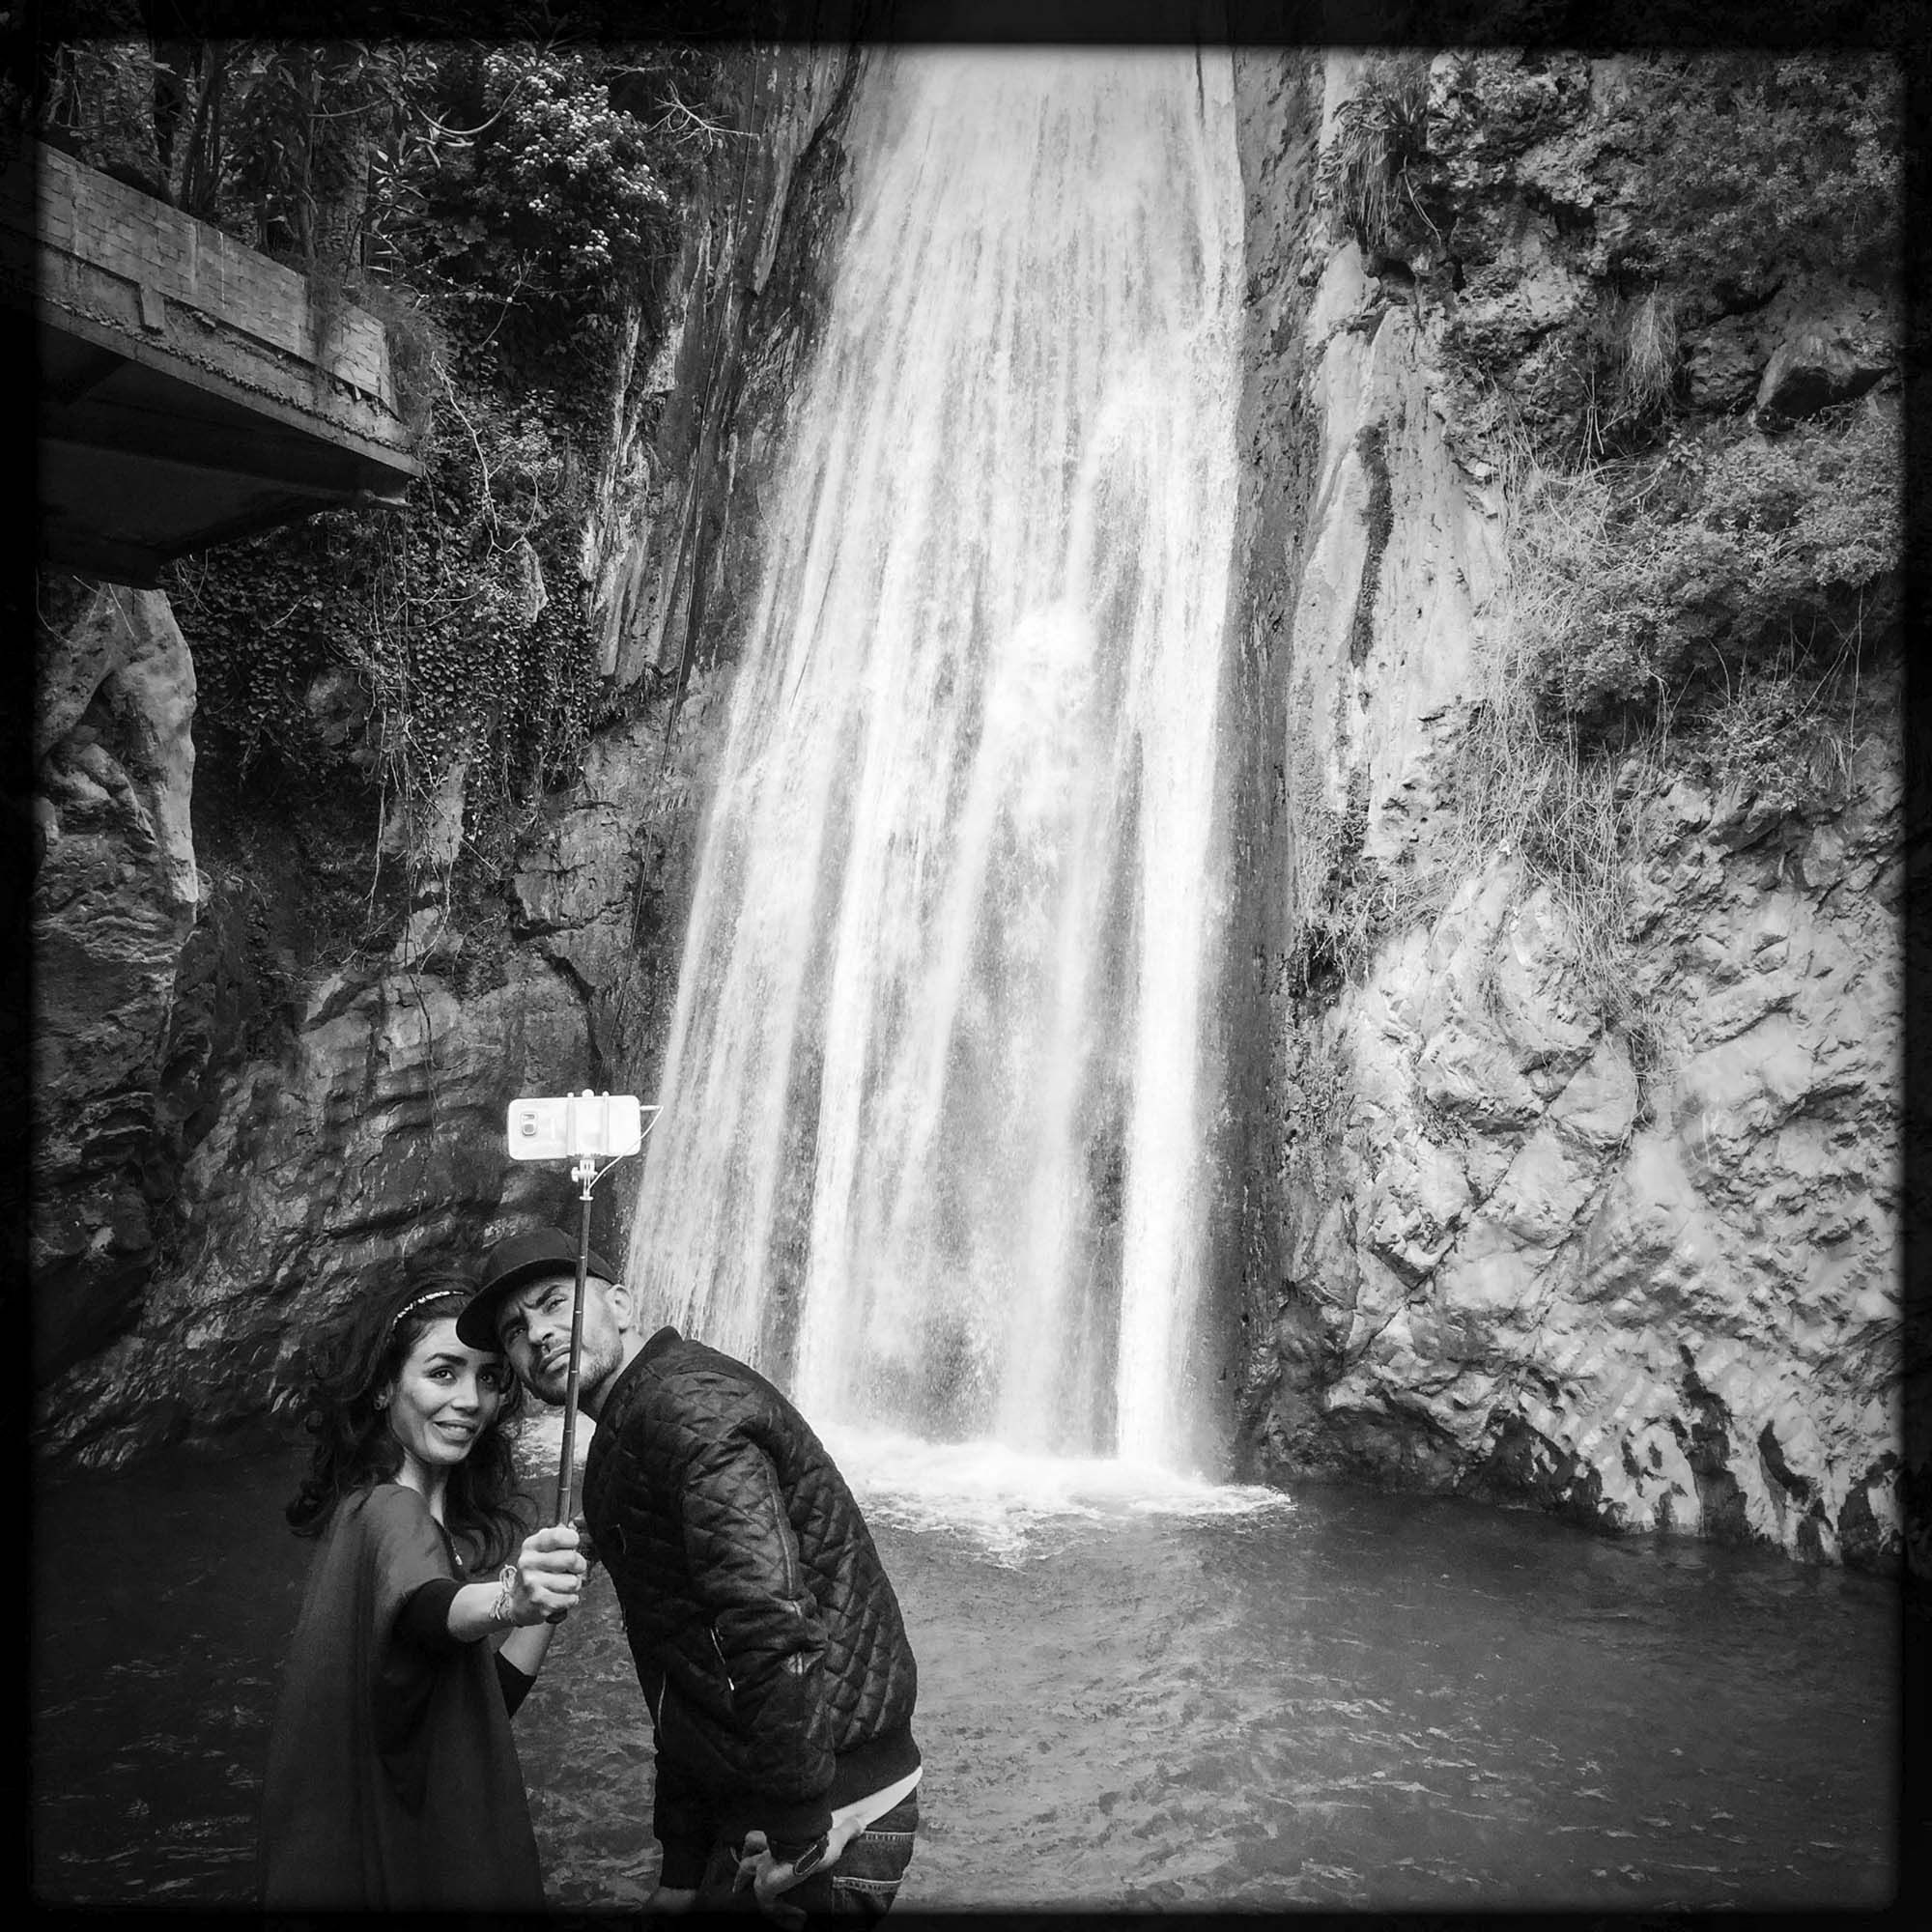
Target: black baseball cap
x,y
513,1262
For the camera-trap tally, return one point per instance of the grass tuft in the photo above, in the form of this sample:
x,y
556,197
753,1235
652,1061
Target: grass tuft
x,y
1377,136
1647,358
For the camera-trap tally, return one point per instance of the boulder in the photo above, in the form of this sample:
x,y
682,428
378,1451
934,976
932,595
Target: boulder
x,y
1811,369
1827,343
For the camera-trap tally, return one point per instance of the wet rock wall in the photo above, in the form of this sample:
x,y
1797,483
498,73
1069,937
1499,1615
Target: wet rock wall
x,y
1497,1244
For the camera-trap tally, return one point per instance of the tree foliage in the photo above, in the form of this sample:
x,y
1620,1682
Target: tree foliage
x,y
551,170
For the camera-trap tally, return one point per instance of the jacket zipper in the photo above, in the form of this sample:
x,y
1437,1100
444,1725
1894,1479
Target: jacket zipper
x,y
785,1532
711,1631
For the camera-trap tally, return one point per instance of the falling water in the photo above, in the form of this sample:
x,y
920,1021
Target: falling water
x,y
935,1150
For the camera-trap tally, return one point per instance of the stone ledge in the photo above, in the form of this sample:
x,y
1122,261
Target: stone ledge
x,y
191,390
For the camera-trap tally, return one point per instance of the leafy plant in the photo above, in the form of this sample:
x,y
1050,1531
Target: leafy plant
x,y
1378,133
570,178
1653,578
1750,165
307,121
1789,735
556,177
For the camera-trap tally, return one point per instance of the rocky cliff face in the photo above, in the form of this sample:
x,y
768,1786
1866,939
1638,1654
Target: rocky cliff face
x,y
250,1124
1639,1264
115,892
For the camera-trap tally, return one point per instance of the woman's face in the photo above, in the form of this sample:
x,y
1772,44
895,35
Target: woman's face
x,y
444,1397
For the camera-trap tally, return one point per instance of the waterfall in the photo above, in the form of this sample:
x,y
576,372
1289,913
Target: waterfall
x,y
933,1147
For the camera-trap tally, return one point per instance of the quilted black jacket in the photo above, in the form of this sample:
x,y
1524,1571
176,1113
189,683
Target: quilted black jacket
x,y
765,1632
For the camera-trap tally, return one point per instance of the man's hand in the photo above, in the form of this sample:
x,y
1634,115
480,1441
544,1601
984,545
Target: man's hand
x,y
768,1879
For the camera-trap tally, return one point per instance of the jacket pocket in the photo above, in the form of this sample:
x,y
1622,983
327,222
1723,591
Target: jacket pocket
x,y
707,1750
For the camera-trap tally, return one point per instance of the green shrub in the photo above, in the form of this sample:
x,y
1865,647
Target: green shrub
x,y
570,180
306,120
1751,165
1788,735
1729,551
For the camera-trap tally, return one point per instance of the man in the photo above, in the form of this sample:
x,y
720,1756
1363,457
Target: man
x,y
767,1639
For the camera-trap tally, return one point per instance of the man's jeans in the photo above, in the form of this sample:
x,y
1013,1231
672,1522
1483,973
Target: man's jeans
x,y
860,1885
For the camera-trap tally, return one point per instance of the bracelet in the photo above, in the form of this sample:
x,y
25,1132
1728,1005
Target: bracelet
x,y
501,1612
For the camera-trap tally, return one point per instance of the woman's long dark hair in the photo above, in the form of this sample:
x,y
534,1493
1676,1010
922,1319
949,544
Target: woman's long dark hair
x,y
350,1364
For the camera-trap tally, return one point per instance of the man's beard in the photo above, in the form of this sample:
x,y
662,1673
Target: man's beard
x,y
551,1384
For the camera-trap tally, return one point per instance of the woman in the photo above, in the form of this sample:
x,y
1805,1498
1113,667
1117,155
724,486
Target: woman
x,y
392,1780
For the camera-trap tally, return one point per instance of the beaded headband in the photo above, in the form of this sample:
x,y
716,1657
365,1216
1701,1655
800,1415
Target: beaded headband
x,y
417,1302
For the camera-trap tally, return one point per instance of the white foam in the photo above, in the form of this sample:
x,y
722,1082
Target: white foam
x,y
1004,1499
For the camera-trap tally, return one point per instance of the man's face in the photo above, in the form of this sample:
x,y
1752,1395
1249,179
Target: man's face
x,y
533,1326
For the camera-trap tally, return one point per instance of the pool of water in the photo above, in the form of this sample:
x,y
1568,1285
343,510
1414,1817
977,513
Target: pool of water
x,y
1133,1692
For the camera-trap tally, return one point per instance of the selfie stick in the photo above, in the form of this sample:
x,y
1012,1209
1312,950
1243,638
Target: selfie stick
x,y
578,1127
584,1173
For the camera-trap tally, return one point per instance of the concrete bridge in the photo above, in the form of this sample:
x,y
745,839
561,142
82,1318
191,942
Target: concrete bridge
x,y
190,391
